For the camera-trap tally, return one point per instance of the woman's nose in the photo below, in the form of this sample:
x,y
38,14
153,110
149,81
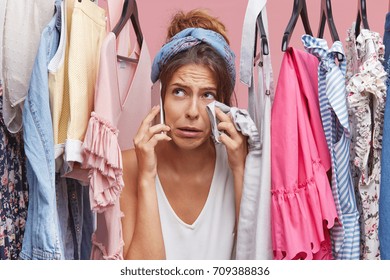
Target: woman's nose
x,y
193,109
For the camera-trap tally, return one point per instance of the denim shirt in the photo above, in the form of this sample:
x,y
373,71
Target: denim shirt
x,y
41,240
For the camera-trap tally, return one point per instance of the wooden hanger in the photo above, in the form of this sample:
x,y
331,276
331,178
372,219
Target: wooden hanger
x,y
263,35
129,11
326,15
361,17
299,9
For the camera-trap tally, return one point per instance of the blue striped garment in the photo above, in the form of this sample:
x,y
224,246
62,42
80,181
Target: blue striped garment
x,y
334,114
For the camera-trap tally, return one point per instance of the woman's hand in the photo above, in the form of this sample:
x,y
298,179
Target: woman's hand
x,y
236,143
145,142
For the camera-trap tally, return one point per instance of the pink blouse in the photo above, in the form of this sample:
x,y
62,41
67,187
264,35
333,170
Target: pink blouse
x,y
122,100
303,208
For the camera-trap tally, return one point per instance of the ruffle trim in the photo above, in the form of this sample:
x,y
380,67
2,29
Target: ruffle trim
x,y
102,155
351,53
365,42
368,45
300,216
369,84
99,252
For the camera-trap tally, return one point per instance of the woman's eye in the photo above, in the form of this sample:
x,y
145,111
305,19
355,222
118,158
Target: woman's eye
x,y
179,92
209,95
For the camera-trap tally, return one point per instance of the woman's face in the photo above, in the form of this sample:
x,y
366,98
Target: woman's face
x,y
189,91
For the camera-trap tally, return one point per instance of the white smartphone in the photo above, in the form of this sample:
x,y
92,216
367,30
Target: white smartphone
x,y
156,100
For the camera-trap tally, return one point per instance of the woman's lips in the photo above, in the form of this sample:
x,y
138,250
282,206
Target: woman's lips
x,y
188,132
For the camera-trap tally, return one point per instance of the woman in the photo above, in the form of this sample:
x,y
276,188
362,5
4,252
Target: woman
x,y
182,192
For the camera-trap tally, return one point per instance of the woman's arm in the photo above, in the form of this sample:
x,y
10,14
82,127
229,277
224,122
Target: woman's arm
x,y
141,224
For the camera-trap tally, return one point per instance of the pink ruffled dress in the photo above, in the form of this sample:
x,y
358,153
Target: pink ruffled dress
x,y
303,208
122,101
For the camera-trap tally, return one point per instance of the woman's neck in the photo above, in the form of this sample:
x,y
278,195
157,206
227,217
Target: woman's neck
x,y
183,160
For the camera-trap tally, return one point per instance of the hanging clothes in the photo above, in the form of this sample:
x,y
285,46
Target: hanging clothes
x,y
334,114
254,228
75,218
384,202
42,236
24,22
59,93
114,10
102,150
73,207
243,123
366,100
101,144
303,209
86,29
3,6
13,191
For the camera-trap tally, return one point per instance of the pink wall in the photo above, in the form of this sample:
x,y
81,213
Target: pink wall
x,y
155,14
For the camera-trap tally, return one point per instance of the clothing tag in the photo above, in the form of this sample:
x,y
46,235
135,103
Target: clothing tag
x,y
122,64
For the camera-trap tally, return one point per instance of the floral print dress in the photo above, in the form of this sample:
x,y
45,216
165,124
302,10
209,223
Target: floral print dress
x,y
13,191
366,78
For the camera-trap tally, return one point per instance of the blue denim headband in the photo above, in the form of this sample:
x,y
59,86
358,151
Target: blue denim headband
x,y
189,38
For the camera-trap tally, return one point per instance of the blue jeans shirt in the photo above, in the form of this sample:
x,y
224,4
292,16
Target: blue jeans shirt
x,y
42,238
75,218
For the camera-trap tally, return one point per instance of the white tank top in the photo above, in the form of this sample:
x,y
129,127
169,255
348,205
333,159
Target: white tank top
x,y
211,236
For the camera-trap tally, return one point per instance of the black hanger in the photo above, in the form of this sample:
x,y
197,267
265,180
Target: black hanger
x,y
326,15
299,9
129,11
361,17
263,35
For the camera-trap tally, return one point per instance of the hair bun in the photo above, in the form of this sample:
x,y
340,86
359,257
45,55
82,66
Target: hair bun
x,y
195,18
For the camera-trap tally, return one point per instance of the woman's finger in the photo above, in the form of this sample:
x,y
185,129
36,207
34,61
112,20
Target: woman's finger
x,y
225,123
150,145
228,142
155,129
150,117
157,138
228,128
221,115
146,123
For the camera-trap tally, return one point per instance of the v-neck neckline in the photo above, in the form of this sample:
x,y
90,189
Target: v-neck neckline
x,y
136,51
207,202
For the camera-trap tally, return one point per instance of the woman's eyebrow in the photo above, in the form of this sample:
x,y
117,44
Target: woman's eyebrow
x,y
179,85
210,88
185,86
